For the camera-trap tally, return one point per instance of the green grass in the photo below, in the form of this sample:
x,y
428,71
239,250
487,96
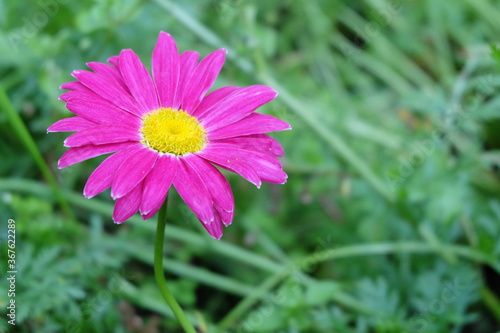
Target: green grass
x,y
389,221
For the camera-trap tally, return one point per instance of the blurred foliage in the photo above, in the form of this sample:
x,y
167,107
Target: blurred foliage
x,y
392,201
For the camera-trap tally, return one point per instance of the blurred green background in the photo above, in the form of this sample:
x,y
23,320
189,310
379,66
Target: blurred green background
x,y
389,221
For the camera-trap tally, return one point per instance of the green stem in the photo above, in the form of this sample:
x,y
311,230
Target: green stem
x,y
491,302
159,274
221,248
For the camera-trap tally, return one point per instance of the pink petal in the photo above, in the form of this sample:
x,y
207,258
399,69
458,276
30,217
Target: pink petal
x,y
267,166
238,105
259,142
226,217
193,191
74,85
133,171
71,124
99,135
78,154
221,159
214,228
103,175
95,108
66,96
256,123
157,183
109,91
152,212
127,206
166,69
215,182
109,73
212,99
138,80
277,149
188,61
115,61
202,79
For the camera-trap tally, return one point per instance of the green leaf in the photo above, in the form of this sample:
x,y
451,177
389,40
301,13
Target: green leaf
x,y
495,53
319,292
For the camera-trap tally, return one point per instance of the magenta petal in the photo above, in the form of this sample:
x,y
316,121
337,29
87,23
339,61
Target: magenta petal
x,y
78,154
109,73
127,206
100,135
109,91
188,61
214,228
138,80
259,142
193,191
256,123
97,109
267,166
103,175
80,93
133,171
212,99
152,212
238,105
202,79
115,61
166,69
158,182
221,159
277,149
66,96
71,124
215,182
226,217
74,85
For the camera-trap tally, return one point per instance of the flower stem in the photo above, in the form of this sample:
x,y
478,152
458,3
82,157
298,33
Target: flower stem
x,y
159,274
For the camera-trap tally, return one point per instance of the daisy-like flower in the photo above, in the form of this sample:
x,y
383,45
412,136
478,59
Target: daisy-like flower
x,y
164,130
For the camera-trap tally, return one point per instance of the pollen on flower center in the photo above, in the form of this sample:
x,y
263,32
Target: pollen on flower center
x,y
172,131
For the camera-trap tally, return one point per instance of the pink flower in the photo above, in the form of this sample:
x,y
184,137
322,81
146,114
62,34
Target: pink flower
x,y
165,131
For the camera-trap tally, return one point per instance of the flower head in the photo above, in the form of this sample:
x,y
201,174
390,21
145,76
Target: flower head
x,y
165,130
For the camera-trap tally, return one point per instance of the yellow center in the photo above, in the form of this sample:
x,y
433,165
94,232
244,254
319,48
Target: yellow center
x,y
172,131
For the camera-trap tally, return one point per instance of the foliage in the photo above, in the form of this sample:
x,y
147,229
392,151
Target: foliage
x,y
390,219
